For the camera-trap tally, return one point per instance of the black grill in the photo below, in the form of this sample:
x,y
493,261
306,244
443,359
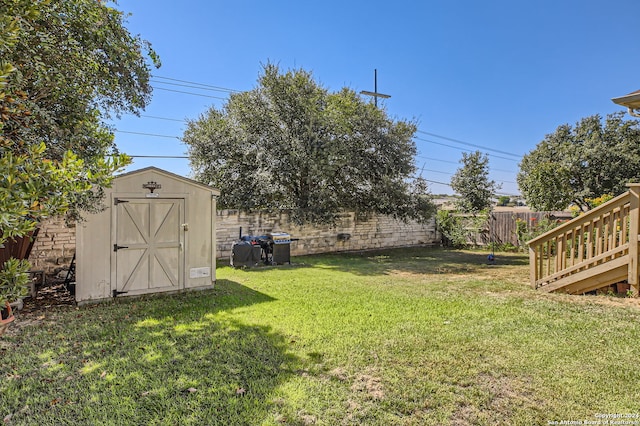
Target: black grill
x,y
271,249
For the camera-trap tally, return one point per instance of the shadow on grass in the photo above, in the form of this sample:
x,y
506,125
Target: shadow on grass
x,y
179,359
420,260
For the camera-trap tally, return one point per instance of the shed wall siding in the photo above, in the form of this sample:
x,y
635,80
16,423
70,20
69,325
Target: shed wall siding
x,y
139,220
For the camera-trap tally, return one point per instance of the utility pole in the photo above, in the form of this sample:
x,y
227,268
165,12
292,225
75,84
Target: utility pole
x,y
375,93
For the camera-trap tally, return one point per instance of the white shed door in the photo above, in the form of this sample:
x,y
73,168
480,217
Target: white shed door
x,y
148,247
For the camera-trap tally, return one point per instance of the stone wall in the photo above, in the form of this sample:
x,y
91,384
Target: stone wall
x,y
55,245
350,233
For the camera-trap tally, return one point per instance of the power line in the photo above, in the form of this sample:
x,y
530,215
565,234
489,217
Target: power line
x,y
439,183
191,86
155,117
462,149
437,159
436,171
158,156
205,86
178,137
189,93
147,134
449,185
162,118
457,162
225,89
451,174
417,156
415,137
469,144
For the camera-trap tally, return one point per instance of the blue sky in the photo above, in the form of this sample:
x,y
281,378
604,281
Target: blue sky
x,y
497,75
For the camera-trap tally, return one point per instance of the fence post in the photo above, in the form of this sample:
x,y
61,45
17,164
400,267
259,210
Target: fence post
x,y
634,230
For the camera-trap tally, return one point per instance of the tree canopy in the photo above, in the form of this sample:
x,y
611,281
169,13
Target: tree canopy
x,y
64,67
472,182
290,144
576,164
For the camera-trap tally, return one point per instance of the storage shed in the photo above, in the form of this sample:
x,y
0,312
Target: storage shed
x,y
157,234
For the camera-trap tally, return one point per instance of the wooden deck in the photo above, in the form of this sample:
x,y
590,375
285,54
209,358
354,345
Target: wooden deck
x,y
592,251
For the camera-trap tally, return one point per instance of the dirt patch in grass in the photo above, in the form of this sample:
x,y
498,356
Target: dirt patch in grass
x,y
371,386
43,308
609,301
307,419
339,373
505,396
505,393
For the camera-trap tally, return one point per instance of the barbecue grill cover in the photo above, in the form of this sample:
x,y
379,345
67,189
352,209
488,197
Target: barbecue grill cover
x,y
243,253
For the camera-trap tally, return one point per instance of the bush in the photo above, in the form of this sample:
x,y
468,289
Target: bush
x,y
451,229
460,230
14,279
528,231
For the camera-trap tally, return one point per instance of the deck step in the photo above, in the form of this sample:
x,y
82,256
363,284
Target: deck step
x,y
591,279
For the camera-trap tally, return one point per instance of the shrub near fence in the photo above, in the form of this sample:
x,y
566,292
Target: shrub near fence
x,y
505,228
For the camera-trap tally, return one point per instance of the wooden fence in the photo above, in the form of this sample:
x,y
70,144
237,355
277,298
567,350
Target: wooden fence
x,y
502,225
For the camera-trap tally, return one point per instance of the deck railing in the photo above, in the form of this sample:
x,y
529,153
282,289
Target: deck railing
x,y
597,237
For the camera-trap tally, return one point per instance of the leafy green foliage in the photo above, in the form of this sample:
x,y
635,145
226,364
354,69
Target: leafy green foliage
x,y
290,145
504,200
66,65
575,164
34,187
461,230
63,66
525,232
450,227
13,280
40,180
472,182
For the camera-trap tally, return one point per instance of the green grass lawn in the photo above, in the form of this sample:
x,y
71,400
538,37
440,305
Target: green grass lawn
x,y
400,337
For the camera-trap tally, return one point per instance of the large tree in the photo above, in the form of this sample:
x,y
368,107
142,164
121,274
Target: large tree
x,y
576,164
290,144
64,67
471,181
68,65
